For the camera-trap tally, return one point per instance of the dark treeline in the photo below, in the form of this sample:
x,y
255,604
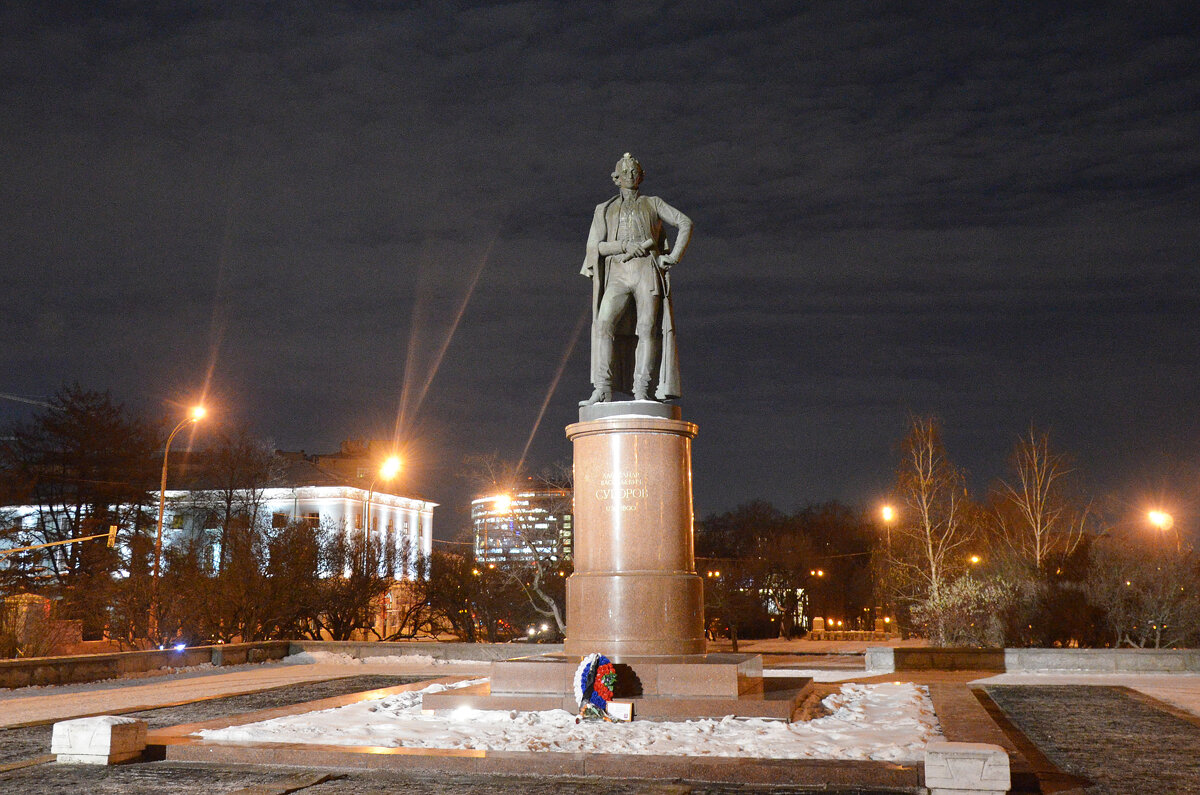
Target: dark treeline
x,y
87,463
768,573
1034,561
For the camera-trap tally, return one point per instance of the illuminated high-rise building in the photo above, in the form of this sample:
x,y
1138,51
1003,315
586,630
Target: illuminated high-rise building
x,y
524,525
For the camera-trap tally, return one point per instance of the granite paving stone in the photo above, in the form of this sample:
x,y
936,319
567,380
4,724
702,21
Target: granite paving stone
x,y
194,779
24,742
1119,741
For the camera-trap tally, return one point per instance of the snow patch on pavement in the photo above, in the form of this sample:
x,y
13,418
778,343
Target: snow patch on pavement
x,y
887,722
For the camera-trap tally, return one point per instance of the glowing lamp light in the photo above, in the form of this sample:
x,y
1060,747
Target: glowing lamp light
x,y
390,468
1161,519
180,646
198,413
975,559
888,513
501,503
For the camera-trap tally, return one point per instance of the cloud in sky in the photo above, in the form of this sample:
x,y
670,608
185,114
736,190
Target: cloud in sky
x,y
987,212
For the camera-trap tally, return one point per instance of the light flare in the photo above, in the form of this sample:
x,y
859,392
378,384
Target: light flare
x,y
562,366
411,397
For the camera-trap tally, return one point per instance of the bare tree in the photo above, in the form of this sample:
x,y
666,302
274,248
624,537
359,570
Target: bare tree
x,y
1151,597
1033,514
235,472
541,574
929,540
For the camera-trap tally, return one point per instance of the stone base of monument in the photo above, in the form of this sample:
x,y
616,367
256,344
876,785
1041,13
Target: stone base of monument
x,y
660,688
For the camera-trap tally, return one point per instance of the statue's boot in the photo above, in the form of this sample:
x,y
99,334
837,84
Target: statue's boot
x,y
646,357
601,395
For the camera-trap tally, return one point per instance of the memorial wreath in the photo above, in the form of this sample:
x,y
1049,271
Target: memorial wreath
x,y
595,679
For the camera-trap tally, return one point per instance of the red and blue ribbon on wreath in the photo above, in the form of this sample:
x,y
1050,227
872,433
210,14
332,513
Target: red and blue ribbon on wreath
x,y
595,679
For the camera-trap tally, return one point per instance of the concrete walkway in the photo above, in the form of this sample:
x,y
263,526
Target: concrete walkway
x,y
33,704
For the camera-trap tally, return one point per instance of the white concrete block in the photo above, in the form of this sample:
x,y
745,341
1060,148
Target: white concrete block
x,y
966,769
102,740
881,659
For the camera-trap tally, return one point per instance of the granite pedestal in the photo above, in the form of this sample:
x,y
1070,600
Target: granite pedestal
x,y
635,596
635,591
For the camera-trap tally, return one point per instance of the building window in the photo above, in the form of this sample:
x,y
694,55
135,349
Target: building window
x,y
279,520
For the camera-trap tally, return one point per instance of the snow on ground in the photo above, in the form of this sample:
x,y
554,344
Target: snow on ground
x,y
889,722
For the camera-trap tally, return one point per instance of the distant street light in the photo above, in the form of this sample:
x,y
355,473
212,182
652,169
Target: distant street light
x,y
975,560
388,470
888,514
195,415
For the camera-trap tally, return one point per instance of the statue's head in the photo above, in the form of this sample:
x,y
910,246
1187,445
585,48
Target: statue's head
x,y
628,172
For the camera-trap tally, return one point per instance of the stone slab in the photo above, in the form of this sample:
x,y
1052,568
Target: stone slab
x,y
686,676
101,740
780,702
948,659
966,768
623,408
799,773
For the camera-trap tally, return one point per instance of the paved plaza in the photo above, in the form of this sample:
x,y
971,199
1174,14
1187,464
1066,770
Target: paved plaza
x,y
1085,733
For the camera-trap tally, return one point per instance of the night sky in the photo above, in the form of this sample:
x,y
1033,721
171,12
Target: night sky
x,y
353,220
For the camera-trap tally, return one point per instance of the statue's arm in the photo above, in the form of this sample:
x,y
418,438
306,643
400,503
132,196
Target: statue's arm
x,y
683,227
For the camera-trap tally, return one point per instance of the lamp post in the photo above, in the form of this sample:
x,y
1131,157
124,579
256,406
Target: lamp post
x,y
195,415
387,471
888,514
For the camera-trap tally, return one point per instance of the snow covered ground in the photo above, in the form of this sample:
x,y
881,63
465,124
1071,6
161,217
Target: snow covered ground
x,y
890,722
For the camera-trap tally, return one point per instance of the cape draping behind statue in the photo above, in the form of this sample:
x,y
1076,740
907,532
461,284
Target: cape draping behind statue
x,y
664,384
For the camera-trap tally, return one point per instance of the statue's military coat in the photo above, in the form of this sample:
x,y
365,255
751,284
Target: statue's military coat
x,y
664,383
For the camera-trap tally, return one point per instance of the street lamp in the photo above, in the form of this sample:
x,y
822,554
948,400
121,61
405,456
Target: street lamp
x,y
1161,519
387,471
1164,521
888,514
195,415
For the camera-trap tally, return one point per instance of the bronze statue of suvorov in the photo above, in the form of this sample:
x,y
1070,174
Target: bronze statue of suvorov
x,y
628,260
